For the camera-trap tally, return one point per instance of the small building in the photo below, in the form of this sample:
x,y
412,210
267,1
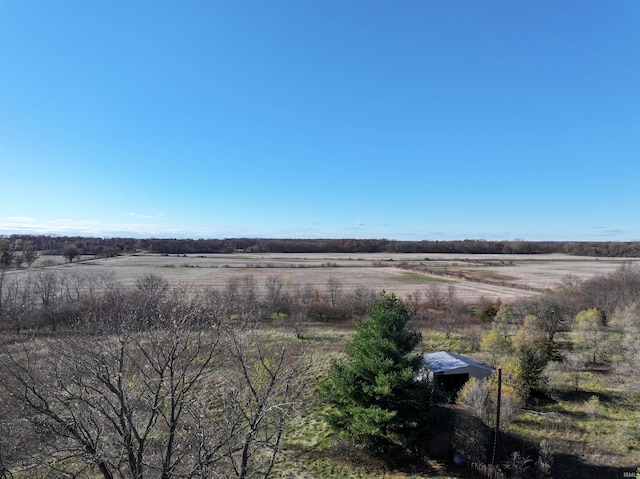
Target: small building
x,y
453,370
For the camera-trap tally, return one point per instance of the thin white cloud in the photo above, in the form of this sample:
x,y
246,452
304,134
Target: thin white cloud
x,y
60,221
145,216
65,226
143,227
21,219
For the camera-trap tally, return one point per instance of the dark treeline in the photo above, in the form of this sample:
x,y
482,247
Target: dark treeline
x,y
114,246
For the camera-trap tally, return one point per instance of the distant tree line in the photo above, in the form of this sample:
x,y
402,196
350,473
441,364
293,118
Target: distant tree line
x,y
57,245
113,246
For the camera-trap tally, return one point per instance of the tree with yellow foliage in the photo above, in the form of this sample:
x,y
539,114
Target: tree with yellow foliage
x,y
591,330
529,346
533,350
513,392
496,345
480,396
497,341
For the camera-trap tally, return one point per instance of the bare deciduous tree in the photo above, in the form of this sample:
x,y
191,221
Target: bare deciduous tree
x,y
6,255
16,301
153,285
555,312
264,385
29,254
274,293
334,287
435,297
239,299
70,253
115,404
615,290
592,331
49,287
171,398
627,362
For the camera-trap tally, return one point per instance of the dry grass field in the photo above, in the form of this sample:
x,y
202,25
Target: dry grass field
x,y
564,417
473,277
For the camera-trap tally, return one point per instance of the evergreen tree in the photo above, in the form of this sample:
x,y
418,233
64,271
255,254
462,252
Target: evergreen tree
x,y
375,395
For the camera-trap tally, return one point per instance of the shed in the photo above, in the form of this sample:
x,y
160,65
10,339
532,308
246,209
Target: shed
x,y
453,370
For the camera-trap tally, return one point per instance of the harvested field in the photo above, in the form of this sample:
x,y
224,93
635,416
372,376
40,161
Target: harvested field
x,y
473,276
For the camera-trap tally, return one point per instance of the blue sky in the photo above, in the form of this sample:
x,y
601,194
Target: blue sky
x,y
371,119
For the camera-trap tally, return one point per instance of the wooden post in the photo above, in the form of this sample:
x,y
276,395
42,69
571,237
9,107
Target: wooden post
x,y
497,431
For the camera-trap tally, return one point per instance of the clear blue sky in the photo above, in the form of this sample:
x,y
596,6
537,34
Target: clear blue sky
x,y
387,119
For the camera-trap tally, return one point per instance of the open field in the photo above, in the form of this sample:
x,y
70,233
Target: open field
x,y
472,276
579,404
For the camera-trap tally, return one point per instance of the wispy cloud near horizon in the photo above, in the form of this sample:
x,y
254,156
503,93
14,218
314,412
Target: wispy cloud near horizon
x,y
21,219
65,226
312,229
146,216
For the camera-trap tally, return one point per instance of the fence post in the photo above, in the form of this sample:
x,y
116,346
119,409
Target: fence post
x,y
497,432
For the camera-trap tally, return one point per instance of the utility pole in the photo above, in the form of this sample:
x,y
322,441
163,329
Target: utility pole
x,y
497,432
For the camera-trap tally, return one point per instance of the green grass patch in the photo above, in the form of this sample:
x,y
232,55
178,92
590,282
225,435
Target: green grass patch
x,y
412,277
489,274
312,450
310,432
437,340
595,424
168,269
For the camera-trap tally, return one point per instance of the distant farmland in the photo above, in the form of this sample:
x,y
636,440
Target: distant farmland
x,y
472,276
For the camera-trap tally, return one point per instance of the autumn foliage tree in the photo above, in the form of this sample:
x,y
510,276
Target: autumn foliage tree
x,y
591,329
533,351
527,345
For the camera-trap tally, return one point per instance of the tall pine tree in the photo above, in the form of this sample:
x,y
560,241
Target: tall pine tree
x,y
374,395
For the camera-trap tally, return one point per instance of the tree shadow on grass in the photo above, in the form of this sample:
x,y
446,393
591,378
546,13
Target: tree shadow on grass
x,y
569,466
354,460
542,399
581,396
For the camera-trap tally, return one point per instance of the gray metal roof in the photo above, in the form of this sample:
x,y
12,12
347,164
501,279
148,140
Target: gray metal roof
x,y
444,361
